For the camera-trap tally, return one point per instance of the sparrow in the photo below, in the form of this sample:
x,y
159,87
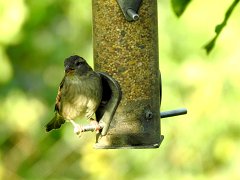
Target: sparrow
x,y
79,95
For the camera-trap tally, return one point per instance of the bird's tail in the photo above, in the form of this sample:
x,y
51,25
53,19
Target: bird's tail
x,y
55,123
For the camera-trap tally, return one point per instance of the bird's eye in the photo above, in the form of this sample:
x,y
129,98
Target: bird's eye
x,y
78,63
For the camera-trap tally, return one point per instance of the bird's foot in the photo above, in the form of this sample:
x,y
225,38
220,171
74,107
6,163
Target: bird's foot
x,y
77,128
96,125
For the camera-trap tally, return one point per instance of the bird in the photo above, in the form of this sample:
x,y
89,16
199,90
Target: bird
x,y
79,94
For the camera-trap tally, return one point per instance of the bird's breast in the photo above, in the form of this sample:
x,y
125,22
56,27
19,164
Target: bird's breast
x,y
80,98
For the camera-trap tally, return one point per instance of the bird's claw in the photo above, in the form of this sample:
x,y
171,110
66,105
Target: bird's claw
x,y
77,128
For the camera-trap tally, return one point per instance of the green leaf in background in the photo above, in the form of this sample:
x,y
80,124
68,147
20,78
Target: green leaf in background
x,y
218,29
179,6
209,46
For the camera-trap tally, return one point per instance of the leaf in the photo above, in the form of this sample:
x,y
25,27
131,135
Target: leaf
x,y
209,46
218,29
179,6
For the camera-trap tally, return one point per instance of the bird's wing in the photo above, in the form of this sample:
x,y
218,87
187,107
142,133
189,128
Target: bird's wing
x,y
58,120
58,98
55,123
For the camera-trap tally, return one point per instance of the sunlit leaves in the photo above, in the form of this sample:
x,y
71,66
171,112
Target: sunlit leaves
x,y
12,16
21,112
179,6
6,71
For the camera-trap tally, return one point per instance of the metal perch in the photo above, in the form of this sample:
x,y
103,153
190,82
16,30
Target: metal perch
x,y
164,114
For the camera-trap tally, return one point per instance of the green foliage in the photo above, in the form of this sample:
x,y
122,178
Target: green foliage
x,y
36,36
218,29
179,6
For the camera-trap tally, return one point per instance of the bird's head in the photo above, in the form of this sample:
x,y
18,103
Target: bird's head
x,y
76,65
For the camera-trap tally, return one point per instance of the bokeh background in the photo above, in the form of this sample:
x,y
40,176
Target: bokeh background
x,y
35,38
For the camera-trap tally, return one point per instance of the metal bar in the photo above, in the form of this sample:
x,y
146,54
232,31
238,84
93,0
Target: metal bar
x,y
164,114
131,13
175,112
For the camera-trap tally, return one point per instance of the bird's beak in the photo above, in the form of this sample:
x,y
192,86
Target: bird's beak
x,y
68,69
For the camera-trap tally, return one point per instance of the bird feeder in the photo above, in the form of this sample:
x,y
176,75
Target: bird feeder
x,y
125,40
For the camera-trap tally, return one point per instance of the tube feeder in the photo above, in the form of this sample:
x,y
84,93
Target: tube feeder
x,y
125,42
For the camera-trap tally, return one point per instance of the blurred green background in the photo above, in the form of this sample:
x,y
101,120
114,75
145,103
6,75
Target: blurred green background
x,y
35,38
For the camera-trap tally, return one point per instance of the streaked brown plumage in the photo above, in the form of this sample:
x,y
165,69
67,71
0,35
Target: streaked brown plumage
x,y
79,94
